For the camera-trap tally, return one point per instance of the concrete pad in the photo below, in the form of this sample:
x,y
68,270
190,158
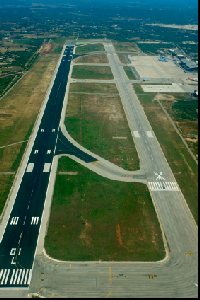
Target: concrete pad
x,y
151,67
170,88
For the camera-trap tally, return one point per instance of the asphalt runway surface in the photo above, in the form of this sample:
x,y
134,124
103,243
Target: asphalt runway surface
x,y
19,241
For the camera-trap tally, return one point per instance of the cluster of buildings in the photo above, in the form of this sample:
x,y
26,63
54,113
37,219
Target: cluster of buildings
x,y
187,64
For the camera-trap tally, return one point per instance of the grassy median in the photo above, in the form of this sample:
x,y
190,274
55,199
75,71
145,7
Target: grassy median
x,y
93,218
98,122
92,72
88,48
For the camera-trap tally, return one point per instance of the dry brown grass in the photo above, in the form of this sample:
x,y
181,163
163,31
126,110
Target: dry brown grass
x,y
18,113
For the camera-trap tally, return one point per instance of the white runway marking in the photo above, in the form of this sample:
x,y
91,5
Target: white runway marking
x,y
163,186
150,134
14,220
47,167
29,168
136,134
15,277
34,220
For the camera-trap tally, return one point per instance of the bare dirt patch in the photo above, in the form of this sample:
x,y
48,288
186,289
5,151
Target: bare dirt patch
x,y
118,235
164,97
46,48
85,234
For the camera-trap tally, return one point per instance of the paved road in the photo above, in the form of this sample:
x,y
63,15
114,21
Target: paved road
x,y
176,275
19,241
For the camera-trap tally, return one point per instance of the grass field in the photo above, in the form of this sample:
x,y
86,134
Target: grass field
x,y
130,73
98,123
93,218
85,49
6,182
184,111
127,47
92,72
18,112
182,164
93,58
4,82
109,88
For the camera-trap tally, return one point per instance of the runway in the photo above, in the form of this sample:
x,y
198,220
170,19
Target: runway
x,y
19,241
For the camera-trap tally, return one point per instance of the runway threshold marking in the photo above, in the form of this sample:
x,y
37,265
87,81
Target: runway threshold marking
x,y
15,277
163,186
30,167
34,220
14,220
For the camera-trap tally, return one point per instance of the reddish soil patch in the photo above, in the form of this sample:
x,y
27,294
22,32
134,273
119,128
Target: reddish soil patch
x,y
118,235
